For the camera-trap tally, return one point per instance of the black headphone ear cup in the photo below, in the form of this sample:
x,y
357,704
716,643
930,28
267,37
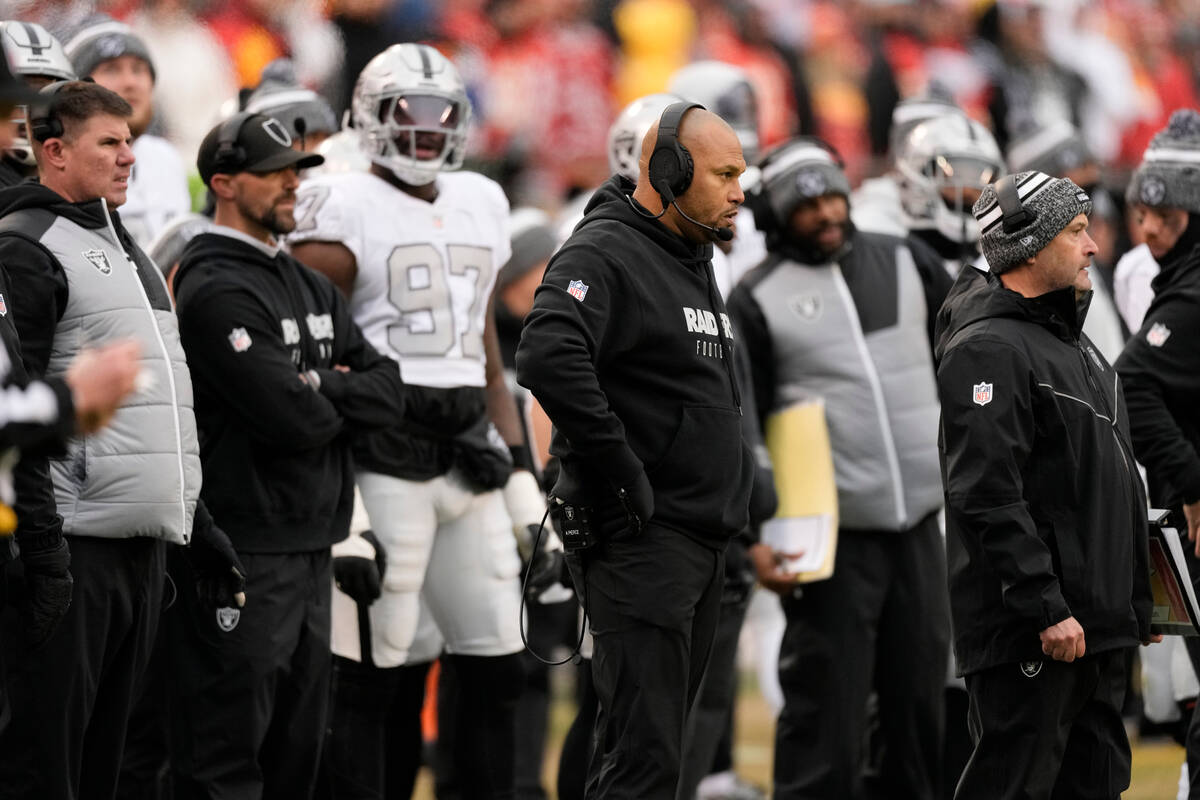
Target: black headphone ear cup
x,y
687,167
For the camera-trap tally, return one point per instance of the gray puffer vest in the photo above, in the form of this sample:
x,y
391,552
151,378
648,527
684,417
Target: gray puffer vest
x,y
140,475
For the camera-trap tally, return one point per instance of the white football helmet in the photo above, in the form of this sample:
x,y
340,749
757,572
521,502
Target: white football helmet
x,y
629,128
412,109
726,91
32,53
939,161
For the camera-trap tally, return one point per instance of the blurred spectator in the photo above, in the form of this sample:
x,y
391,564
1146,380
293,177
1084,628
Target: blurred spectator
x,y
737,33
256,32
1029,89
656,39
181,48
545,101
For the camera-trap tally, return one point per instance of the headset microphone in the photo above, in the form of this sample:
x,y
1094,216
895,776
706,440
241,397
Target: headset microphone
x,y
724,234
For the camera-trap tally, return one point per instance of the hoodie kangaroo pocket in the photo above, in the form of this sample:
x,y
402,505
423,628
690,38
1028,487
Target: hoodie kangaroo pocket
x,y
698,474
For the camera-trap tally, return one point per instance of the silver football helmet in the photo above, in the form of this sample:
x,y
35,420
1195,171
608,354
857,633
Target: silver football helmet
x,y
412,109
629,128
944,163
726,91
32,53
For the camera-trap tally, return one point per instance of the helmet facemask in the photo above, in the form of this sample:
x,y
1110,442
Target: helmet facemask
x,y
417,134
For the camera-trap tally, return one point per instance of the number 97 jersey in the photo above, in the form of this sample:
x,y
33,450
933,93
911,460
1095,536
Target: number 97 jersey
x,y
425,270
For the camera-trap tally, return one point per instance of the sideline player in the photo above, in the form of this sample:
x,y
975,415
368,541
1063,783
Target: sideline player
x,y
416,247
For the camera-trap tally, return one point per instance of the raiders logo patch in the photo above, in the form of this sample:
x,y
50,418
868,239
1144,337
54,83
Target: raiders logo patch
x,y
98,259
806,306
1030,669
227,618
1153,190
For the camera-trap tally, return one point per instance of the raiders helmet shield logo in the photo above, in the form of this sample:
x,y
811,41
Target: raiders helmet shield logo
x,y
1030,669
99,260
277,132
811,183
982,393
227,618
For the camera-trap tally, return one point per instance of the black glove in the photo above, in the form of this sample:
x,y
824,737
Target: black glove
x,y
219,574
361,576
545,568
48,590
637,499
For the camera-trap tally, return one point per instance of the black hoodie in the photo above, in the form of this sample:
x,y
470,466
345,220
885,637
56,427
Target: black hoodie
x,y
1045,511
1160,368
277,467
629,351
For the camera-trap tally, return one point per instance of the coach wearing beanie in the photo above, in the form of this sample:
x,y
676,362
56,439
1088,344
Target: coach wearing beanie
x,y
1160,366
1045,512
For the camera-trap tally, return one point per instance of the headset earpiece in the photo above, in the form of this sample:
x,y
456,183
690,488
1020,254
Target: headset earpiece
x,y
230,156
1014,214
43,124
670,166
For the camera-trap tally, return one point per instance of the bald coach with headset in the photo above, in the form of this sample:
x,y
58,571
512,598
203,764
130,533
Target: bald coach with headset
x,y
629,351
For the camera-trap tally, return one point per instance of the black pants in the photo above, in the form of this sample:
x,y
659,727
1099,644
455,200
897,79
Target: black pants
x,y
708,743
71,697
373,747
1048,729
250,689
880,623
653,600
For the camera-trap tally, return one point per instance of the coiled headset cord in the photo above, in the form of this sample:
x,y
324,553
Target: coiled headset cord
x,y
575,656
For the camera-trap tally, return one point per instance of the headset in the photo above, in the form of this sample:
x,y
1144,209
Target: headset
x,y
230,156
671,167
43,124
1015,215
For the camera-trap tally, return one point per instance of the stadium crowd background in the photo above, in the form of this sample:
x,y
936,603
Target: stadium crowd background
x,y
547,77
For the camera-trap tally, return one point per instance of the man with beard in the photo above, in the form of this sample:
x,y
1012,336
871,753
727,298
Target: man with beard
x,y
1160,365
282,375
845,316
112,55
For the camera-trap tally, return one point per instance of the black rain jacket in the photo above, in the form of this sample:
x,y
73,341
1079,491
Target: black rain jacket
x,y
1045,511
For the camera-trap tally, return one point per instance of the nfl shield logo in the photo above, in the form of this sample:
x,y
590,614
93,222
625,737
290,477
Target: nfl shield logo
x,y
99,260
983,393
239,339
577,289
3,307
227,618
1157,335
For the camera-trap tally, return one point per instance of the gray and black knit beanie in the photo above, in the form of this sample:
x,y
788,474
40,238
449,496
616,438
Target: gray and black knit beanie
x,y
1169,175
101,38
1049,203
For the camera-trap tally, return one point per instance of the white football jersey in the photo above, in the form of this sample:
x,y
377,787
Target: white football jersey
x,y
425,270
